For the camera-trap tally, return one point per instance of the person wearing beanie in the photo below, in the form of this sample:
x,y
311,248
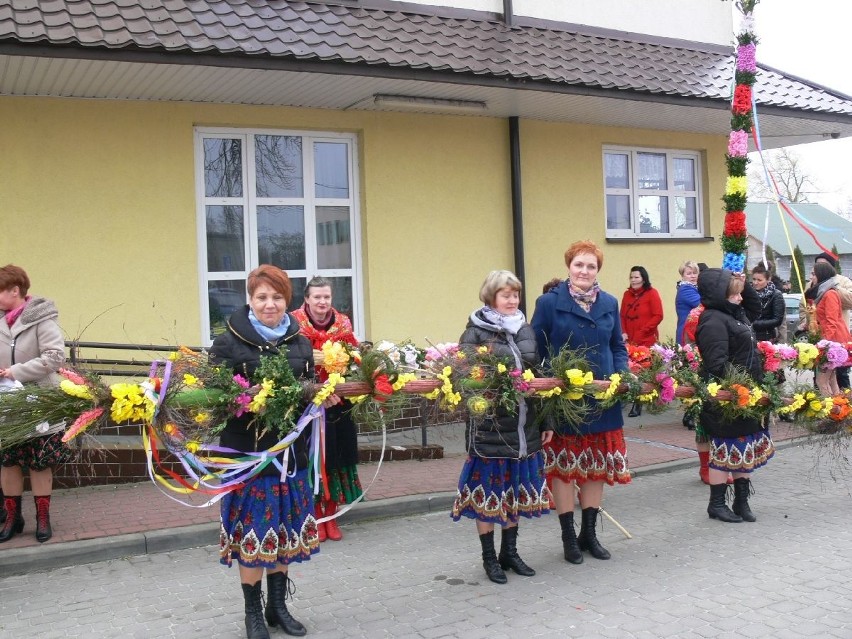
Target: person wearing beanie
x,y
843,286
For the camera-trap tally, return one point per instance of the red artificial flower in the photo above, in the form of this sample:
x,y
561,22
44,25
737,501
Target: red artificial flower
x,y
382,388
639,357
735,224
742,99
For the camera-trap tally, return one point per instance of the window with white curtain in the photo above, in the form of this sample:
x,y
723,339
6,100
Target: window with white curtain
x,y
652,193
275,197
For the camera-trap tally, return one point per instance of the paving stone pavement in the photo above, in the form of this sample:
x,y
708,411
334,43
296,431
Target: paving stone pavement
x,y
681,575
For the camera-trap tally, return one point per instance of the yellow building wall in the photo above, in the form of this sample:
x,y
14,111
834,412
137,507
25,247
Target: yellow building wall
x,y
100,208
564,202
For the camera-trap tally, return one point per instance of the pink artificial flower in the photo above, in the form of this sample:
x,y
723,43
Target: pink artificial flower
x,y
738,144
746,58
667,388
72,376
242,401
241,381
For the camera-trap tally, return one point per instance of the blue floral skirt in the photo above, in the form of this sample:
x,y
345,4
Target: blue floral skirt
x,y
499,491
741,454
268,523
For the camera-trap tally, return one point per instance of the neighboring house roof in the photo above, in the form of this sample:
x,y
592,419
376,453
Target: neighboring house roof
x,y
828,227
459,45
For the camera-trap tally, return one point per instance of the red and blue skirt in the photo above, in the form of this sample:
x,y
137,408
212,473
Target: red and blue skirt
x,y
500,491
585,458
268,523
741,454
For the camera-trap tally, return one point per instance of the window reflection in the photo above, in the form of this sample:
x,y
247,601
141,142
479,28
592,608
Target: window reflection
x,y
223,167
225,238
334,245
278,166
281,236
331,169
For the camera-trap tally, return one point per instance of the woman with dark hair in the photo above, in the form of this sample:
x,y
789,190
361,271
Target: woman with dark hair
x,y
32,349
829,317
772,309
503,477
320,322
578,314
268,523
738,446
641,314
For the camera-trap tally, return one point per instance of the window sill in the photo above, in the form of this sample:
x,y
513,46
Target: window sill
x,y
658,240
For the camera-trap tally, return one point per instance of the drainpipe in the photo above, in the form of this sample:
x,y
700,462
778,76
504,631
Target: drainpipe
x,y
517,204
508,13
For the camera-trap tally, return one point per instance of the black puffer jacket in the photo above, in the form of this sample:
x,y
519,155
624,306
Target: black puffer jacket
x,y
241,348
500,436
725,339
772,313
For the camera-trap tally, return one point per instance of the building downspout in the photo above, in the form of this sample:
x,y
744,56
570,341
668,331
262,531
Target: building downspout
x,y
508,12
517,204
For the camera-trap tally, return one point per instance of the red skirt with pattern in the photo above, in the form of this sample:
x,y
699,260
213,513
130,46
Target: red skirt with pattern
x,y
584,458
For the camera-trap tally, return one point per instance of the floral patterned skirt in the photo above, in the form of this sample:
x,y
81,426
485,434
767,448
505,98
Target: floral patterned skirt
x,y
499,491
268,523
344,486
38,453
582,458
741,454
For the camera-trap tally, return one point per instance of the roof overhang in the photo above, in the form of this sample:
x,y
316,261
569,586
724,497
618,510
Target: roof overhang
x,y
138,74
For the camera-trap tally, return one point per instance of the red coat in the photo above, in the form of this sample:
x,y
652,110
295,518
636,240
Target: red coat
x,y
641,314
829,314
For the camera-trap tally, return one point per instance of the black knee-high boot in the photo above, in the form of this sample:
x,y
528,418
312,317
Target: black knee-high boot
x,y
255,628
717,508
489,559
570,546
635,410
14,519
43,528
587,539
742,489
509,557
276,608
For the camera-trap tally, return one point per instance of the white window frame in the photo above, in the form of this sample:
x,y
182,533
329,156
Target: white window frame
x,y
633,191
249,201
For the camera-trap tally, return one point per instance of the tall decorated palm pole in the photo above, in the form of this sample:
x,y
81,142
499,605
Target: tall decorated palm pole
x,y
734,236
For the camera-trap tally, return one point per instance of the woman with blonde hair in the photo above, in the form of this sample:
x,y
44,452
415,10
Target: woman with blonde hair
x,y
687,296
503,477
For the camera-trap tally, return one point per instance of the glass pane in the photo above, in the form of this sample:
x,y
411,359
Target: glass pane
x,y
278,166
299,284
224,297
225,239
334,244
617,175
223,168
331,169
618,211
686,213
281,236
653,214
684,174
651,170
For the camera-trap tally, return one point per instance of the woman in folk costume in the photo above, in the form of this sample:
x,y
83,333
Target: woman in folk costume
x,y
320,322
503,477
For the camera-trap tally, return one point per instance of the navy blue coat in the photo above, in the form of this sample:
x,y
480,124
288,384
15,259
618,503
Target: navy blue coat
x,y
559,320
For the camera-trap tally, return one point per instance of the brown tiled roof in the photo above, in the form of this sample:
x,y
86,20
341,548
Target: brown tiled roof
x,y
464,44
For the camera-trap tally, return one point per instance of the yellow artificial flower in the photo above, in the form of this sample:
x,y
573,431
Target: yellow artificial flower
x,y
755,396
357,399
192,447
614,383
259,401
736,184
446,372
327,389
482,350
190,380
478,405
713,388
335,357
202,417
501,367
556,390
130,404
527,375
75,390
432,394
477,373
402,380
